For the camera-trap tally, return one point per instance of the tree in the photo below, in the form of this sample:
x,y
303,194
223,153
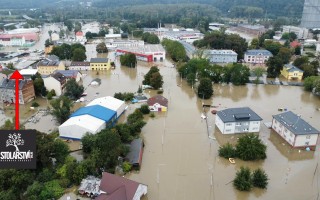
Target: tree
x,y
156,80
273,47
227,151
275,65
301,61
150,38
250,147
284,54
243,180
239,74
61,108
60,151
124,132
205,89
38,84
175,50
102,48
78,55
129,60
297,50
15,140
260,179
309,83
73,89
148,76
88,141
258,72
145,109
48,43
51,189
254,43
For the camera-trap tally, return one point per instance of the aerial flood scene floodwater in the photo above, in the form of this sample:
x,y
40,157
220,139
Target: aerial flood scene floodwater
x,y
180,159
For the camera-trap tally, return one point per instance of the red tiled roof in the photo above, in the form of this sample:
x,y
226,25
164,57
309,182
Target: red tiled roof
x,y
79,33
117,187
295,44
158,99
27,36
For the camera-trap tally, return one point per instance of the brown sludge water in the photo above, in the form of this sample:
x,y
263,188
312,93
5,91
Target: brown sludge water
x,y
181,162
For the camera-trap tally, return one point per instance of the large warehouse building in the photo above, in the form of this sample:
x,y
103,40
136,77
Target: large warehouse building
x,y
148,53
99,114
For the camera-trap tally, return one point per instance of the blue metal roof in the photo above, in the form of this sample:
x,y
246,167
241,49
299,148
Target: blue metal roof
x,y
292,68
97,111
255,52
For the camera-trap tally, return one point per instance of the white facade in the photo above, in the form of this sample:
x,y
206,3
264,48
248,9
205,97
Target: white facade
x,y
156,50
77,127
141,191
293,139
110,103
237,127
221,56
55,37
124,43
81,66
257,56
52,84
302,33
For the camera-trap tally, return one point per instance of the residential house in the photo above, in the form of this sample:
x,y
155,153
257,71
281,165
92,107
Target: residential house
x,y
69,74
55,37
290,72
56,82
79,36
158,103
296,131
113,187
134,157
221,56
8,95
49,65
100,64
257,56
83,66
238,120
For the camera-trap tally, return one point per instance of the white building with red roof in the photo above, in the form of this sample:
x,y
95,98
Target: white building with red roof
x,y
79,36
18,39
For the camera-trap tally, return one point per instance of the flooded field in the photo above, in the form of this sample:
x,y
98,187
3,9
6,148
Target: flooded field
x,y
180,158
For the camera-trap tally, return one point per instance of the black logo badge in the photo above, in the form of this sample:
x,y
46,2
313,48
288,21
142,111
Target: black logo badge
x,y
18,149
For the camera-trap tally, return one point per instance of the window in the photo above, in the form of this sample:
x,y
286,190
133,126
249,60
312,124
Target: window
x,y
308,136
228,130
306,143
238,124
228,124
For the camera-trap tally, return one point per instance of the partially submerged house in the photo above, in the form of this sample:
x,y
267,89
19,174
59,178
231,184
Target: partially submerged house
x,y
113,187
158,103
134,157
296,131
238,120
291,72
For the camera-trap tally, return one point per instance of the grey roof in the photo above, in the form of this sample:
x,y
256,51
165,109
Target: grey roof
x,y
134,155
295,123
53,58
59,77
238,115
49,62
73,63
220,52
10,84
98,60
292,68
68,73
254,52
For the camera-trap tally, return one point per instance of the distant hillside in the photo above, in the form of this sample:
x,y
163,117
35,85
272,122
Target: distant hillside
x,y
273,8
20,4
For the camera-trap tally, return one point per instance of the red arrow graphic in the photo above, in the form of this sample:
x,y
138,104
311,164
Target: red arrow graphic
x,y
16,75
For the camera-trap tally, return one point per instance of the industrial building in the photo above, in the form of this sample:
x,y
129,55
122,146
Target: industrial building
x,y
99,114
148,52
221,56
311,14
302,33
188,35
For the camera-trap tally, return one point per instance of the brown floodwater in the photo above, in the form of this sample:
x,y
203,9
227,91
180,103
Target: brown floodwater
x,y
181,159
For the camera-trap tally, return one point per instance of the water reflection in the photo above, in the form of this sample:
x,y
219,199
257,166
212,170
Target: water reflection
x,y
255,94
271,89
286,150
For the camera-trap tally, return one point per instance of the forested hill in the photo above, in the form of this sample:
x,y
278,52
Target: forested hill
x,y
27,4
273,8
